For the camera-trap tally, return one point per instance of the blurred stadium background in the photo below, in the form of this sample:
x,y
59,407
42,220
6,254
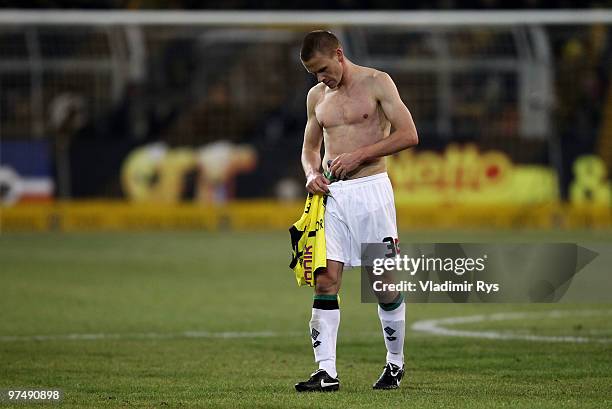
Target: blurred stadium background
x,y
206,110
149,170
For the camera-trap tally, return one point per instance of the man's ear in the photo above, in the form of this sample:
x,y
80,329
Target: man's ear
x,y
340,54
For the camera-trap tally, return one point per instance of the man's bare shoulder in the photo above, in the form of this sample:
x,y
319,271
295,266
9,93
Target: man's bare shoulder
x,y
378,76
374,78
315,93
369,71
378,82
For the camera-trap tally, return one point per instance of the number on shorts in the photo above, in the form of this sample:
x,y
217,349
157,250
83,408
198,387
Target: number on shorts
x,y
392,245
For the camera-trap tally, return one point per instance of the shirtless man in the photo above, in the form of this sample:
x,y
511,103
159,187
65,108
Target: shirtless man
x,y
352,109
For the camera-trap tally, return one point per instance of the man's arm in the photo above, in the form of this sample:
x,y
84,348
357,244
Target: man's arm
x,y
311,149
404,135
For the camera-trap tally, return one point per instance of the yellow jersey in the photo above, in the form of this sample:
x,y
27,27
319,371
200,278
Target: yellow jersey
x,y
308,241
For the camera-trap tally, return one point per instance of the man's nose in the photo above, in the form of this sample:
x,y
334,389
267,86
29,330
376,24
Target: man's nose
x,y
320,78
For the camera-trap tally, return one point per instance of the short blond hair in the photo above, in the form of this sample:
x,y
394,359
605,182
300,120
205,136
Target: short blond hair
x,y
318,41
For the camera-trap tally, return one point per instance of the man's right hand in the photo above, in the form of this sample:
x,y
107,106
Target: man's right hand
x,y
317,183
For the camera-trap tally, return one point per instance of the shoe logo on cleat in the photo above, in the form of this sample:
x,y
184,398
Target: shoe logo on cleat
x,y
325,384
389,330
314,334
316,344
394,370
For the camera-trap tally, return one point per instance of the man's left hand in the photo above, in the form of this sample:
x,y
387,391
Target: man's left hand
x,y
344,164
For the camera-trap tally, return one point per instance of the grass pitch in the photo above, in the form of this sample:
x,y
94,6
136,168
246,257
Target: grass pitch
x,y
186,319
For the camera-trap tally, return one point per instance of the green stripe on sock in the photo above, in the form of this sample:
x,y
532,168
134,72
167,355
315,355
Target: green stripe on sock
x,y
393,305
325,297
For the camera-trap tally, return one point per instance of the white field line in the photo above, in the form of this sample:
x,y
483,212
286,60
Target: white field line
x,y
435,326
440,326
164,335
149,335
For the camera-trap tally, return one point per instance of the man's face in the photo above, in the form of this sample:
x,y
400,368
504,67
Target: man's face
x,y
327,68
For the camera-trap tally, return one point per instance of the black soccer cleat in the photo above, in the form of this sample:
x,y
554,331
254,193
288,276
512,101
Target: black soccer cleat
x,y
390,378
319,381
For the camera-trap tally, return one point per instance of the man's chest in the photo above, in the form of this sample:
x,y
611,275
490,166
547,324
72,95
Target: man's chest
x,y
337,109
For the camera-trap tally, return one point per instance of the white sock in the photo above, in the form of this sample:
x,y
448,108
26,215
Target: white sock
x,y
394,327
324,333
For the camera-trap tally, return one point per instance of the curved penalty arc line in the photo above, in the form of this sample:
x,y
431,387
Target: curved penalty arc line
x,y
441,326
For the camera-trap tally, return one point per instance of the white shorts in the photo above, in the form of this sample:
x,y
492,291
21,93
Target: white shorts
x,y
358,211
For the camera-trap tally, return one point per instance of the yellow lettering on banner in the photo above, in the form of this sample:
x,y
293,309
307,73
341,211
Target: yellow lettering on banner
x,y
156,174
463,174
173,169
590,185
429,169
138,175
495,167
468,172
